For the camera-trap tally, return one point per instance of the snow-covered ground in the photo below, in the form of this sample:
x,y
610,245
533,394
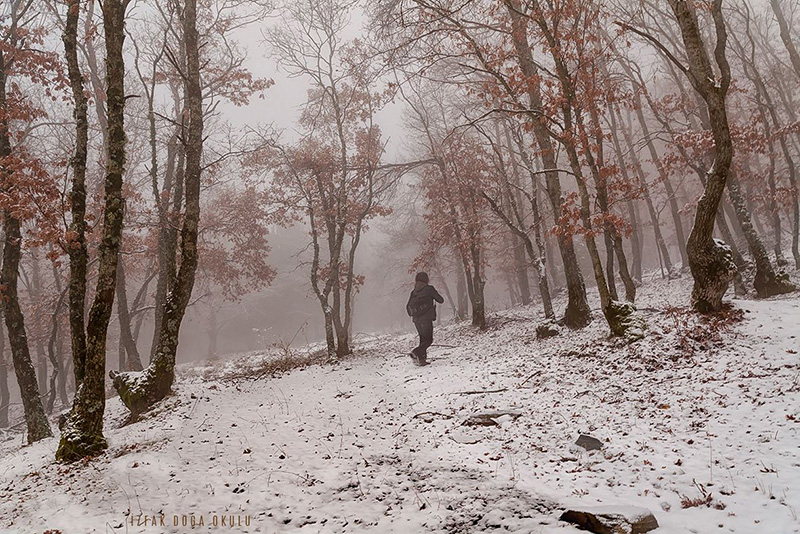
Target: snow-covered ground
x,y
700,424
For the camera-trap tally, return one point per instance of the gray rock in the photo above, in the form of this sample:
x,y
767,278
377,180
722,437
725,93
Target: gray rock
x,y
589,443
490,418
548,329
612,520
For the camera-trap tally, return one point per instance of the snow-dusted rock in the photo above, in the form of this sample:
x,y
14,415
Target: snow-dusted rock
x,y
612,519
548,329
491,418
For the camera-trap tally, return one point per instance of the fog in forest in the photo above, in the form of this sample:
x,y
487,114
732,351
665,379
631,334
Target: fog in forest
x,y
191,181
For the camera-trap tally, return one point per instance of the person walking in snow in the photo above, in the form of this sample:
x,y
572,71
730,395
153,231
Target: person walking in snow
x,y
422,310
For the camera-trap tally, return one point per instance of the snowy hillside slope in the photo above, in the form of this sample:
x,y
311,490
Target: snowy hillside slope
x,y
701,429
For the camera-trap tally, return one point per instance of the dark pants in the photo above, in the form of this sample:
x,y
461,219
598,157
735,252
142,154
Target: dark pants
x,y
425,330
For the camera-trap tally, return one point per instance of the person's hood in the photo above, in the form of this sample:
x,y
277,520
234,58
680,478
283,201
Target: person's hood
x,y
418,286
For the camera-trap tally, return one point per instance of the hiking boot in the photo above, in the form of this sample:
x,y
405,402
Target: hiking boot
x,y
423,361
414,358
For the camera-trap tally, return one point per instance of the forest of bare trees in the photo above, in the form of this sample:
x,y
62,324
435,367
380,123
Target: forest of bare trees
x,y
519,151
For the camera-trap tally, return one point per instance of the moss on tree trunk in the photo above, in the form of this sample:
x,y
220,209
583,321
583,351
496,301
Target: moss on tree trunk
x,y
82,434
139,391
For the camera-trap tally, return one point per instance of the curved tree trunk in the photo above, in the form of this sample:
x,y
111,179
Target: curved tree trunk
x,y
709,260
140,390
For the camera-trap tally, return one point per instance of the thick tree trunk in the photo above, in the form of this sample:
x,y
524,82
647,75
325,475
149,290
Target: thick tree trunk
x,y
710,261
140,390
78,254
35,417
83,432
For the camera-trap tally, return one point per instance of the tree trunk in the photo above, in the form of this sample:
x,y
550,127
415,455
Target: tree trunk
x,y
168,234
477,295
83,432
140,390
540,260
35,417
5,394
786,37
614,240
663,175
577,314
612,287
769,113
132,362
659,237
63,366
461,295
78,254
521,269
54,339
636,244
38,321
709,260
767,282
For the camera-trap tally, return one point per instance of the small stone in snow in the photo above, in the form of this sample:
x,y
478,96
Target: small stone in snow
x,y
589,443
548,329
490,418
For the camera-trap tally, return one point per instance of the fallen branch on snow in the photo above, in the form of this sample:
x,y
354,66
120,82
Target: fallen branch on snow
x,y
480,392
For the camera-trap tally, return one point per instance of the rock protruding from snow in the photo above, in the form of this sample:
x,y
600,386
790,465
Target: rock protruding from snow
x,y
612,520
548,329
589,443
490,418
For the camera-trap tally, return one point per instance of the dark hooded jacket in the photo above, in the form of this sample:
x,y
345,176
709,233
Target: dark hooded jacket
x,y
421,305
